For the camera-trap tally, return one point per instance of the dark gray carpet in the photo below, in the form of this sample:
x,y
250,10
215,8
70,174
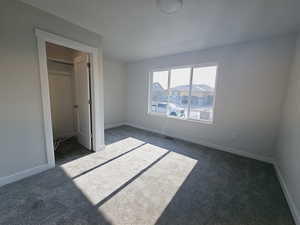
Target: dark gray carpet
x,y
143,178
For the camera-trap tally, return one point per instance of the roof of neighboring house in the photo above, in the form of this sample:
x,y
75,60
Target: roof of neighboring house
x,y
196,87
157,87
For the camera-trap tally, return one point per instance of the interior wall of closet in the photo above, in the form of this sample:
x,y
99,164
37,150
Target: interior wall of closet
x,y
62,90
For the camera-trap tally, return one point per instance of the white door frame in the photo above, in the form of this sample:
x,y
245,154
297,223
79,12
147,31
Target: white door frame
x,y
96,90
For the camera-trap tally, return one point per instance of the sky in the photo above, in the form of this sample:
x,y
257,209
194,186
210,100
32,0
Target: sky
x,y
201,75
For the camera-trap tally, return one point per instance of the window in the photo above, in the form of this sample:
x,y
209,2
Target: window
x,y
159,92
184,93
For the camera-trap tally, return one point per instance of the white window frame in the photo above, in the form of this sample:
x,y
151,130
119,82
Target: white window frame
x,y
150,80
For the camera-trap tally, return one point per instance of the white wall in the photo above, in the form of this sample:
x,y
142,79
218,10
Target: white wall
x,y
115,92
250,87
22,141
288,149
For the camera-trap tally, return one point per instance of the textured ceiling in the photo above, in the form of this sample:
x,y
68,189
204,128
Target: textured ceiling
x,y
135,29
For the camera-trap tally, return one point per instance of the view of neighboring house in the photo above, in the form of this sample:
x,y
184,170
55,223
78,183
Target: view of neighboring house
x,y
159,94
201,95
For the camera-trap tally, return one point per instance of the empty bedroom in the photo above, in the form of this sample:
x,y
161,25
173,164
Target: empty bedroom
x,y
143,112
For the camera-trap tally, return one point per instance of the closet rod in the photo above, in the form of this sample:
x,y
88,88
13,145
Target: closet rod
x,y
57,61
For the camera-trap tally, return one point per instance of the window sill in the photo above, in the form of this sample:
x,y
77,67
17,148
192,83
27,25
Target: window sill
x,y
181,119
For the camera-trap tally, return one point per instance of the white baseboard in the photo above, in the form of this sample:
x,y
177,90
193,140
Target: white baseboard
x,y
211,145
287,194
113,125
23,174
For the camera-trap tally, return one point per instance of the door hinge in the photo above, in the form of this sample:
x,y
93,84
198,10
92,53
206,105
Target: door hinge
x,y
90,101
88,65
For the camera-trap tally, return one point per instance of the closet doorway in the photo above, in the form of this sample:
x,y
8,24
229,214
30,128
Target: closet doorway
x,y
95,84
69,75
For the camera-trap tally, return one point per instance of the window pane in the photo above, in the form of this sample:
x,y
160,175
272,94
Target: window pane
x,y
179,92
159,92
203,93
